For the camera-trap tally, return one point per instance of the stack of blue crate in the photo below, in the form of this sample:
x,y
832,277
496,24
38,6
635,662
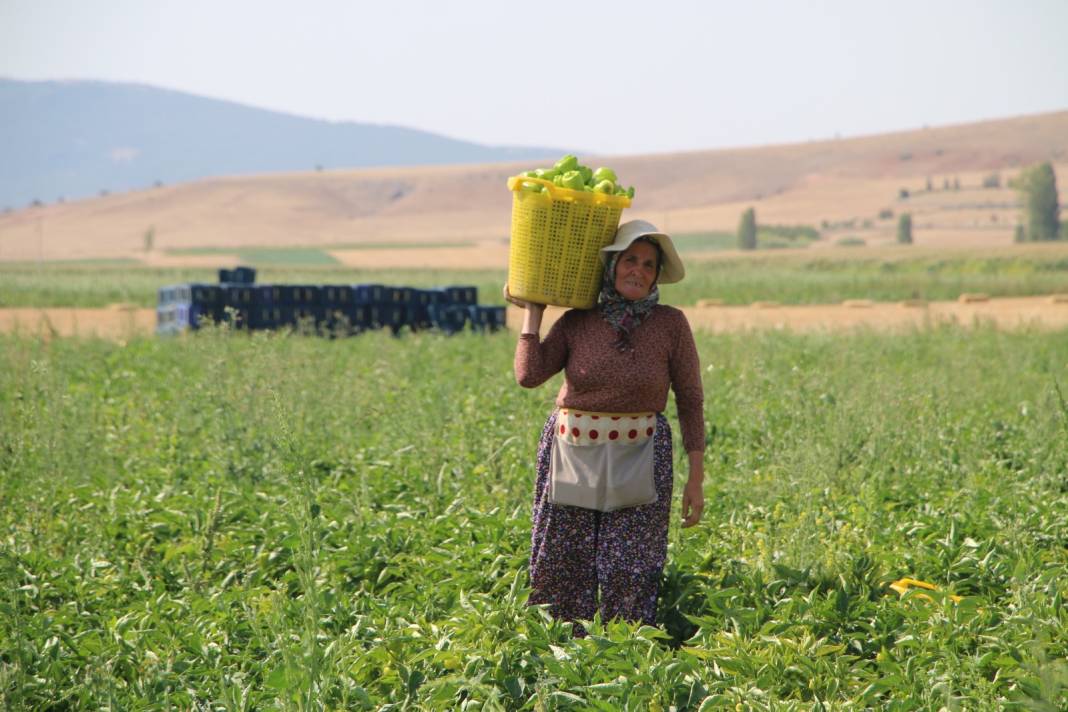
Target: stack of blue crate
x,y
188,306
330,309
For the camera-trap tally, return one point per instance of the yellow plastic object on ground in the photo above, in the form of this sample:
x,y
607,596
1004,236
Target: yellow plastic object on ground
x,y
557,235
903,585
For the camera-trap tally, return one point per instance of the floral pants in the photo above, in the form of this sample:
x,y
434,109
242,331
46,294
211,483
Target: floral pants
x,y
582,559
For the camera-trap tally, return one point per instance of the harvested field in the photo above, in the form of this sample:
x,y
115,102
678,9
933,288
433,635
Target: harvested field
x,y
840,186
1046,312
1007,313
108,322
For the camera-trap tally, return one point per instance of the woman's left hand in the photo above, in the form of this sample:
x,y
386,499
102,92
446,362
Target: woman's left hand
x,y
693,495
693,502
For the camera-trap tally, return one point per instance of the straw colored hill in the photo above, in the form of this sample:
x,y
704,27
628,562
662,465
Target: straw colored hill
x,y
842,185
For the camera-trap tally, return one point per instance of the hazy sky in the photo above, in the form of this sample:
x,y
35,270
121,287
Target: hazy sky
x,y
614,77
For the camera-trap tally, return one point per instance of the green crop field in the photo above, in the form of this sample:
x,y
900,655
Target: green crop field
x,y
236,522
808,277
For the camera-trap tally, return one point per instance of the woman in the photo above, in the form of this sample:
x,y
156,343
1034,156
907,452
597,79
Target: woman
x,y
618,359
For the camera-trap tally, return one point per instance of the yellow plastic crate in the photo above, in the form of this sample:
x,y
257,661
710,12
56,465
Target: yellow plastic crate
x,y
554,254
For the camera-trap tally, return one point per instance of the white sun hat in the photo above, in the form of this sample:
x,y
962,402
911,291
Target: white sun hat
x,y
672,269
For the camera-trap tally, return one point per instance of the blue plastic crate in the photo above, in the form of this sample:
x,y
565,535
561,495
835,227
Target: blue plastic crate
x,y
402,296
205,295
369,293
238,317
244,275
269,316
238,275
165,321
337,321
167,295
300,295
426,297
182,316
458,294
392,316
282,316
352,319
267,295
338,295
486,318
310,317
449,318
420,307
191,293
238,296
201,315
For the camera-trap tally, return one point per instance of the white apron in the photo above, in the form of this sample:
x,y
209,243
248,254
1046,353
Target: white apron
x,y
602,461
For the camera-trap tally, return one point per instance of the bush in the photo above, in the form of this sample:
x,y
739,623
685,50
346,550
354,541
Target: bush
x,y
886,214
747,230
1038,188
851,241
992,181
904,229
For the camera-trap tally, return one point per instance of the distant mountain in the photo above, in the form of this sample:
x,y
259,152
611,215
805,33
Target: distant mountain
x,y
75,139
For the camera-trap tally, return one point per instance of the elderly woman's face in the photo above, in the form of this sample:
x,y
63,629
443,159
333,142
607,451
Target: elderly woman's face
x,y
636,271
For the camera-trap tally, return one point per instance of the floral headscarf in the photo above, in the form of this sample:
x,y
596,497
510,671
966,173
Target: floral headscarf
x,y
622,314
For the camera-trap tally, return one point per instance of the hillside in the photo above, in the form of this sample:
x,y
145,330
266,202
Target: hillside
x,y
843,184
78,138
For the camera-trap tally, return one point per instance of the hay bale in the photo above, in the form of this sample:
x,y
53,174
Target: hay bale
x,y
764,305
973,297
1059,298
709,302
858,304
913,302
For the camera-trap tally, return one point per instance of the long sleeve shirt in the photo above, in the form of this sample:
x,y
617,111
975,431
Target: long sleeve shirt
x,y
598,378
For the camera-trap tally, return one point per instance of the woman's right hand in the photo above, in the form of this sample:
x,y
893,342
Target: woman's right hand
x,y
521,303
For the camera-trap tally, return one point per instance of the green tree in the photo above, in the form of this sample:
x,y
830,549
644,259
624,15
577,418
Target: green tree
x,y
904,229
747,230
1038,191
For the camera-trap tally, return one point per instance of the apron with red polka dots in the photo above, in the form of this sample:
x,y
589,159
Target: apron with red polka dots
x,y
602,461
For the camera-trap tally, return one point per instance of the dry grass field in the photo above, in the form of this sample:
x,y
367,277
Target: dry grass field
x,y
841,185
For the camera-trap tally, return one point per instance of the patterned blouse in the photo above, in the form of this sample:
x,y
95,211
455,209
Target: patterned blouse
x,y
599,378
